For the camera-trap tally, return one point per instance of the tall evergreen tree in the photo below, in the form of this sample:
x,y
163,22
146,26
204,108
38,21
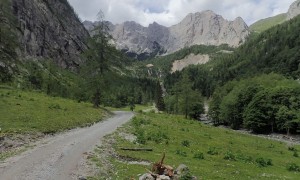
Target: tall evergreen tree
x,y
98,56
159,100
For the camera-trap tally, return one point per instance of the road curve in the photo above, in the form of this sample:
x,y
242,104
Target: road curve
x,y
58,157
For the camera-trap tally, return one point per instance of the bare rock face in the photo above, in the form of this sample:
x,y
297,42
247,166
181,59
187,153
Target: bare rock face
x,y
50,29
294,10
138,41
192,59
205,28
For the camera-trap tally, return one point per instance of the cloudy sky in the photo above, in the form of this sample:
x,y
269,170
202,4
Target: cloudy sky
x,y
170,12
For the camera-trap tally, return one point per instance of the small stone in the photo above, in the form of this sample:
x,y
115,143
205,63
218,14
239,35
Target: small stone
x,y
82,178
146,176
164,177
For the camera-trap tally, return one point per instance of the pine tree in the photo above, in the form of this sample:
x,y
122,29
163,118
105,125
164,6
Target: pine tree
x,y
98,56
159,100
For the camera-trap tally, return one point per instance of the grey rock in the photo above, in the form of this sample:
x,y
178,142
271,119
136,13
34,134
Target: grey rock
x,y
205,28
82,178
294,10
164,177
182,169
50,29
146,176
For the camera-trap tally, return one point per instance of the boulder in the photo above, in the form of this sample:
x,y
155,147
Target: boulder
x,y
181,169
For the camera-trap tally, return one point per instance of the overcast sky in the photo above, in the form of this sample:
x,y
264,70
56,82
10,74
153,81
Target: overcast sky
x,y
170,12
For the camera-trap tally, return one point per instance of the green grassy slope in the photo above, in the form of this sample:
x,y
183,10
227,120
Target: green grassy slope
x,y
23,112
226,154
265,24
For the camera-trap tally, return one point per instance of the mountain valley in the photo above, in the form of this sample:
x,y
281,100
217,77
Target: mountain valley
x,y
58,73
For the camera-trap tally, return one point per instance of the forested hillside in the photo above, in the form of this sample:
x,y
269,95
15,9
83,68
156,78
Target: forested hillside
x,y
244,86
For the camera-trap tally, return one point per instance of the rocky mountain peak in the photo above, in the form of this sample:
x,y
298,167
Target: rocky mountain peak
x,y
206,27
294,10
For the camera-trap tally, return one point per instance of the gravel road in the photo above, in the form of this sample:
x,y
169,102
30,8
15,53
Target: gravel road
x,y
59,157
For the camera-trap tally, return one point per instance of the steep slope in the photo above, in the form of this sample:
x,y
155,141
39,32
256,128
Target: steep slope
x,y
264,24
50,29
294,10
202,28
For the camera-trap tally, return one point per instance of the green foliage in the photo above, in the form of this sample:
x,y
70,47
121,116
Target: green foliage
x,y
185,143
199,156
261,162
51,79
182,99
229,156
159,100
158,137
266,103
186,176
140,137
212,151
293,167
181,153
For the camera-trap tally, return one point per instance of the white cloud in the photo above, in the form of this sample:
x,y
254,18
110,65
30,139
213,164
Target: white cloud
x,y
170,12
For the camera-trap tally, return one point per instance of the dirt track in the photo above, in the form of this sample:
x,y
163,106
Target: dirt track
x,y
59,157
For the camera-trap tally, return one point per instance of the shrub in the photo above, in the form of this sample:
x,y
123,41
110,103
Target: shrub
x,y
137,122
186,176
293,167
181,153
140,137
199,156
185,143
212,151
229,156
158,137
261,162
244,158
295,154
292,148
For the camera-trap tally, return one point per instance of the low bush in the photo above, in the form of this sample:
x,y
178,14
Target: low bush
x,y
212,151
185,143
261,162
199,156
293,167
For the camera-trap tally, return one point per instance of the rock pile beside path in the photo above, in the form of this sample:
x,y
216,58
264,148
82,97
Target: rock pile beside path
x,y
162,171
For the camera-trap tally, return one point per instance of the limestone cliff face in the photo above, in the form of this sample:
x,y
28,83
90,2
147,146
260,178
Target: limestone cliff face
x,y
294,10
205,28
50,29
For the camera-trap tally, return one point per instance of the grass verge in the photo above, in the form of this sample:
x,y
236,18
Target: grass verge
x,y
23,112
209,152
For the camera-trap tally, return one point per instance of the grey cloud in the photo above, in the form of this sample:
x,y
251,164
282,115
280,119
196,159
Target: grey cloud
x,y
169,12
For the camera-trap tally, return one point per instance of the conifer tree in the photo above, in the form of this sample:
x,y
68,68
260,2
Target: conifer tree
x,y
159,100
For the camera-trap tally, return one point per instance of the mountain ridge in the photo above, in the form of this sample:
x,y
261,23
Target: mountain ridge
x,y
201,28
